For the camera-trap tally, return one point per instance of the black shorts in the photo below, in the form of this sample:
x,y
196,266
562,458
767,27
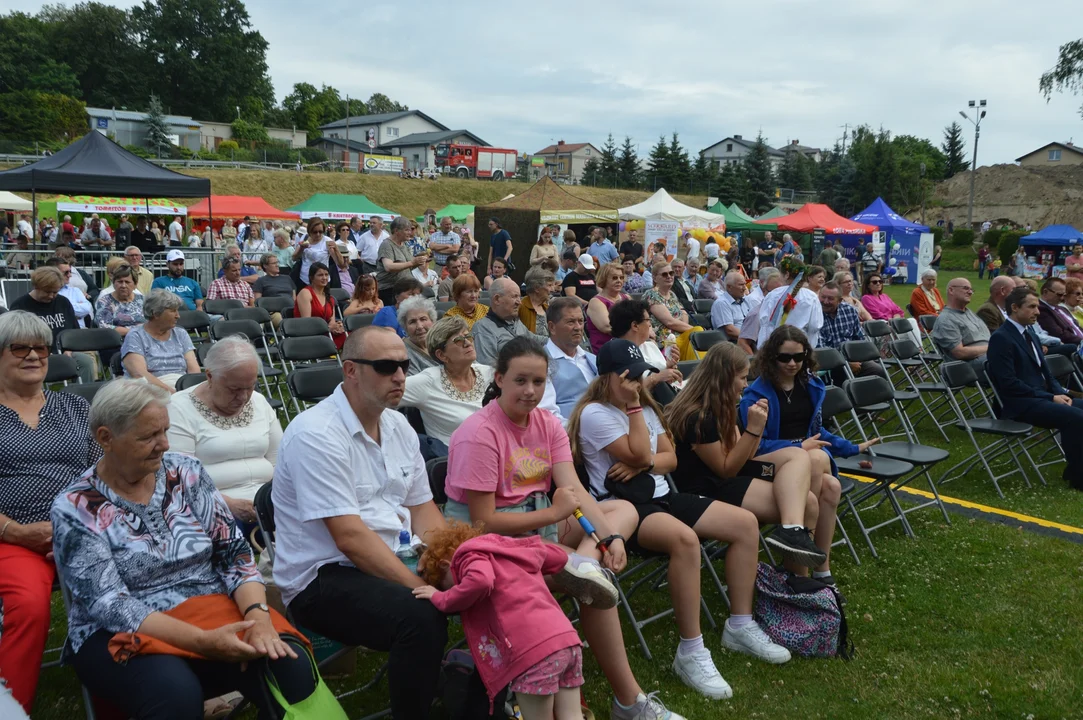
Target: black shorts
x,y
686,507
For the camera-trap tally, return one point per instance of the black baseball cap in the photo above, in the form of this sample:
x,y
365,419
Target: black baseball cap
x,y
616,356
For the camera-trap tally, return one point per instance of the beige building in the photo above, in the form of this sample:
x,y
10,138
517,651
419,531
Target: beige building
x,y
1052,155
565,161
212,134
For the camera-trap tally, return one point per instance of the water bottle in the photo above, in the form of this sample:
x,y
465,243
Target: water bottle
x,y
405,551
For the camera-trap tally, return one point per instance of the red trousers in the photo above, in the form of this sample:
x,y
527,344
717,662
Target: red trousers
x,y
26,584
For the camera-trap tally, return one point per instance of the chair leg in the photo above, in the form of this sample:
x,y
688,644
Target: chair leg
x,y
635,623
845,540
860,525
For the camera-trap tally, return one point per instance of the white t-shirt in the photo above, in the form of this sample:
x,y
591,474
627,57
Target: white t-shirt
x,y
602,424
427,277
25,229
693,249
711,250
328,466
807,315
194,240
175,232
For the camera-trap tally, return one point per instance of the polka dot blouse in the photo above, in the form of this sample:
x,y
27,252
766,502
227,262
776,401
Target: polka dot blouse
x,y
36,464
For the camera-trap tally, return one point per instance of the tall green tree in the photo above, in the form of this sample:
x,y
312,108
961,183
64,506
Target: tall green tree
x,y
380,103
205,57
628,165
790,170
680,177
954,151
95,41
29,115
1067,74
659,165
592,173
761,183
157,129
729,188
703,176
911,154
27,60
608,169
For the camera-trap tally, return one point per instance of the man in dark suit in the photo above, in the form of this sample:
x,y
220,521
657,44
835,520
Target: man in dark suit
x,y
992,312
1058,323
1028,391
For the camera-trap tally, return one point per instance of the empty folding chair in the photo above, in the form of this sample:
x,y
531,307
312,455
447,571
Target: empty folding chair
x,y
358,321
904,330
105,341
978,419
906,349
704,341
703,305
926,323
831,364
342,298
274,304
312,384
87,391
189,380
220,306
61,369
443,307
196,322
263,317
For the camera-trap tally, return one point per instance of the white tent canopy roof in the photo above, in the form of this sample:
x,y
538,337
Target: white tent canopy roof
x,y
11,201
662,206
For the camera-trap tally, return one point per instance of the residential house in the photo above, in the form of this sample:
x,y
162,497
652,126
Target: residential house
x,y
733,151
814,154
128,127
565,161
1052,154
384,129
213,134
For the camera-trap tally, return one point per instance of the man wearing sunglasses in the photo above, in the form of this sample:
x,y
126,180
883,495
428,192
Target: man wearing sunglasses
x,y
350,478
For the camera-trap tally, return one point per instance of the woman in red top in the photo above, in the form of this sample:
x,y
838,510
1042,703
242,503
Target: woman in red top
x,y
314,301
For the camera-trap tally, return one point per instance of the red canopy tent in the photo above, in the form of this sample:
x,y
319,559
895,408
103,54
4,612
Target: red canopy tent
x,y
237,206
816,215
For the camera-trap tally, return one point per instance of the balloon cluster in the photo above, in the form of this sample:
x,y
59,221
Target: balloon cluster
x,y
633,225
701,234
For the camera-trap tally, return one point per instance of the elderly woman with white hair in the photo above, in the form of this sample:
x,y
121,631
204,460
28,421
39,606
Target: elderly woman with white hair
x,y
926,300
158,351
230,428
167,605
416,316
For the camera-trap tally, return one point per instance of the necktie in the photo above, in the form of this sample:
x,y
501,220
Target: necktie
x,y
1034,344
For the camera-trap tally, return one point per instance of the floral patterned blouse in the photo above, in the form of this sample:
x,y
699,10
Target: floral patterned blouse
x,y
111,313
122,561
653,297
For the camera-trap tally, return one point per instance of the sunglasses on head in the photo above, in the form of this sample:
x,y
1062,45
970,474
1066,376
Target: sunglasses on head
x,y
383,367
787,358
22,351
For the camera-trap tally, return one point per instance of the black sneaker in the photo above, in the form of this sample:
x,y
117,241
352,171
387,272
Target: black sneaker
x,y
797,545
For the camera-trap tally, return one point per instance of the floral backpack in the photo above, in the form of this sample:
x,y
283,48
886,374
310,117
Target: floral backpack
x,y
801,614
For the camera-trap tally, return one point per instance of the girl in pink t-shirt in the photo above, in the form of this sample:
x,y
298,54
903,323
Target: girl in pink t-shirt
x,y
501,463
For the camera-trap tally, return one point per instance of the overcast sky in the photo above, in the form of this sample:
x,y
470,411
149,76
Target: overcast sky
x,y
523,75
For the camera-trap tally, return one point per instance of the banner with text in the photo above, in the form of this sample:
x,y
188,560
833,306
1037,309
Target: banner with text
x,y
382,163
662,231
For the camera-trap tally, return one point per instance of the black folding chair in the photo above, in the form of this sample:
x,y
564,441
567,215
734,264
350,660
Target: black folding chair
x,y
87,391
221,305
104,341
61,369
275,304
313,384
442,308
703,305
196,322
358,321
704,341
189,380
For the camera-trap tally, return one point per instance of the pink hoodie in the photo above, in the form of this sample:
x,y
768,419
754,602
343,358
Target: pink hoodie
x,y
511,620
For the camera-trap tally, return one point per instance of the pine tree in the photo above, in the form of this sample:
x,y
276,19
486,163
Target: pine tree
x,y
761,184
827,177
592,173
788,171
157,128
680,178
658,165
954,150
628,165
608,170
729,185
702,176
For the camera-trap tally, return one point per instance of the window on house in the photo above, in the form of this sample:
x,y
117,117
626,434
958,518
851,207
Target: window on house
x,y
392,132
588,151
561,166
1054,155
729,147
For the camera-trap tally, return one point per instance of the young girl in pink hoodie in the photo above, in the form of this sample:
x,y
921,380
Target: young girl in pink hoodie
x,y
517,632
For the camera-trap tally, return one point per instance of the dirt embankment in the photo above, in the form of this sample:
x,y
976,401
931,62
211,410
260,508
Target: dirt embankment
x,y
1012,194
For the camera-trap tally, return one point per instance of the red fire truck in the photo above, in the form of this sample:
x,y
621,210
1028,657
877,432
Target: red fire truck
x,y
468,161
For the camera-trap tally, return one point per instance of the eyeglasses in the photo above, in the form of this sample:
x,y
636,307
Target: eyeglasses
x,y
462,340
386,368
666,274
876,282
22,351
787,358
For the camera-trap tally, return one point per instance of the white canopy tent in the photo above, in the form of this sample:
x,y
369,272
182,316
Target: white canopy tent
x,y
662,206
11,201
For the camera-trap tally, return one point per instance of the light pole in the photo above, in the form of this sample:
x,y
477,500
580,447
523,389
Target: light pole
x,y
978,108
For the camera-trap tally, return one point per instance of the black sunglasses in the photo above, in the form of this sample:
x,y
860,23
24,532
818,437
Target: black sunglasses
x,y
786,358
383,367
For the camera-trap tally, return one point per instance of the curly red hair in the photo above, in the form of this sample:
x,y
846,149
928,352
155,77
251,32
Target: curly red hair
x,y
434,562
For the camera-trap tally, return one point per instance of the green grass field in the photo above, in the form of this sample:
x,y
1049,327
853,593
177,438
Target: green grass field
x,y
975,619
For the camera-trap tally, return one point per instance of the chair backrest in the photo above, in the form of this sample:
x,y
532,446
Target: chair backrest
x,y
307,349
860,350
201,352
958,375
1060,366
687,367
221,305
224,328
189,380
828,358
274,304
61,369
86,391
904,348
428,292
437,470
869,390
90,339
443,307
900,326
877,328
303,327
703,305
194,320
703,319
342,298
836,402
313,384
910,311
704,341
358,321
257,314
265,516
927,322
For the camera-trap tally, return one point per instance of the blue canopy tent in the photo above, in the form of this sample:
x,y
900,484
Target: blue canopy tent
x,y
903,255
1053,235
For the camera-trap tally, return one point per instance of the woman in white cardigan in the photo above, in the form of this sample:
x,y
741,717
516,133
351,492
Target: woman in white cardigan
x,y
228,426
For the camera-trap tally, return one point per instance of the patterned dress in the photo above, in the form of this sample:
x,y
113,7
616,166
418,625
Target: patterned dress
x,y
112,313
122,561
653,297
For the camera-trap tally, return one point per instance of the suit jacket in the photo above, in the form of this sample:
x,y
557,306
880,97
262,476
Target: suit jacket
x,y
991,315
1020,379
685,297
1057,324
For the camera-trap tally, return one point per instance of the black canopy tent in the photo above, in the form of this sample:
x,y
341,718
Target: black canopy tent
x,y
95,165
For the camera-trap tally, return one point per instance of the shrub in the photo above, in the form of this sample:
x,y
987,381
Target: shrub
x,y
138,150
1009,243
992,238
962,237
313,155
226,145
938,234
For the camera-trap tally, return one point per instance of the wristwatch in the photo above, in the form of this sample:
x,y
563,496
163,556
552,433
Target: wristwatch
x,y
257,606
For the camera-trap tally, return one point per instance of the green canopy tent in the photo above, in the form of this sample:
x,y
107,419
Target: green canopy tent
x,y
775,212
740,213
736,221
457,213
341,207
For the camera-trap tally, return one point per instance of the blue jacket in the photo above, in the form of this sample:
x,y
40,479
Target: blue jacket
x,y
770,441
1020,380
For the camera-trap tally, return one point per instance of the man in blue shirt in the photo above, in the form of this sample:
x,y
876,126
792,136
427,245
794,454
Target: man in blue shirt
x,y
499,244
601,249
177,283
842,324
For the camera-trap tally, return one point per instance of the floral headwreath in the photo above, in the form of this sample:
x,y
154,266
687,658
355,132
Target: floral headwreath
x,y
791,266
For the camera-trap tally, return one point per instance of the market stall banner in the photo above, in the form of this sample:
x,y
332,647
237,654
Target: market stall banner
x,y
662,230
578,216
308,214
118,205
383,163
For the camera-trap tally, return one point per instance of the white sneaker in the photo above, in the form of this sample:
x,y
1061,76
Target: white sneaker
x,y
752,640
586,580
698,672
647,707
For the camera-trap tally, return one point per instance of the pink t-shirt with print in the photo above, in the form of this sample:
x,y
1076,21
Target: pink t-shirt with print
x,y
490,453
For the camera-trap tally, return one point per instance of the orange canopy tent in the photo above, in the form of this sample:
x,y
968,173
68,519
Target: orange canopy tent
x,y
237,206
816,215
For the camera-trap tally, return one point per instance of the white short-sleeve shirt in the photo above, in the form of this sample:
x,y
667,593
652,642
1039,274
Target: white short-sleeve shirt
x,y
328,466
602,424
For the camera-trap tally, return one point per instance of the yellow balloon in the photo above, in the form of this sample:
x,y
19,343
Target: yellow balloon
x,y
699,234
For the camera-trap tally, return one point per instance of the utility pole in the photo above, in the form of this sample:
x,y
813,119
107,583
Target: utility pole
x,y
978,108
347,129
922,176
845,132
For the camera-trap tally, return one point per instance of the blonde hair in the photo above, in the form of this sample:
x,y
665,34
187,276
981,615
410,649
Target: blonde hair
x,y
602,277
598,392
